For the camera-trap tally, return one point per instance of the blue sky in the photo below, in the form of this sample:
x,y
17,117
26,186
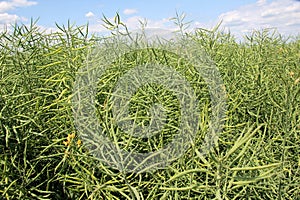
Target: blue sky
x,y
240,16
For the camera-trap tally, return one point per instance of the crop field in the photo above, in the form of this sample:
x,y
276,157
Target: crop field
x,y
43,155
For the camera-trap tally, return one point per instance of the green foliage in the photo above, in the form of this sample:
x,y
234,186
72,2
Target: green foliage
x,y
41,155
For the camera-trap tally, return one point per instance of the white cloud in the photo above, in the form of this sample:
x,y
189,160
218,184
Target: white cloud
x,y
89,14
23,3
5,6
130,11
134,22
203,25
281,14
97,28
284,15
10,5
48,29
261,2
6,18
162,28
